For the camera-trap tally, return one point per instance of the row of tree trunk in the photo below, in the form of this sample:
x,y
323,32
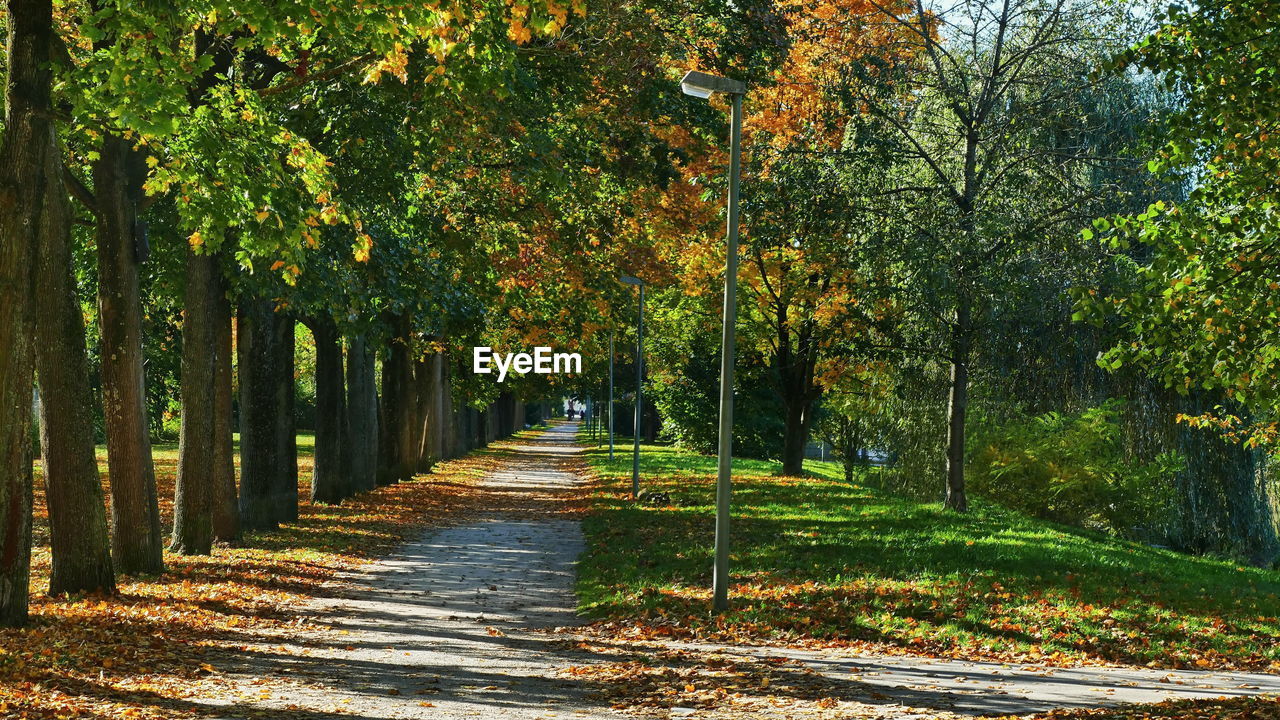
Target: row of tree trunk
x,y
42,339
418,423
362,440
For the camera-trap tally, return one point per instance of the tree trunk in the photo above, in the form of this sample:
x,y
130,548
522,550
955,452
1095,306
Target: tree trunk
x,y
461,429
73,488
513,415
957,408
436,419
258,446
226,510
388,413
329,482
448,418
795,437
426,379
362,414
851,454
286,483
197,473
395,422
136,544
506,414
419,379
22,186
796,360
410,421
487,426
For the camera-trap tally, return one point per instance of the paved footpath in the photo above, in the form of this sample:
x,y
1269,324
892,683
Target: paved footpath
x,y
904,688
454,625
449,626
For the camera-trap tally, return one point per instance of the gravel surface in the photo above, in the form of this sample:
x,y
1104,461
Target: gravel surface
x,y
455,624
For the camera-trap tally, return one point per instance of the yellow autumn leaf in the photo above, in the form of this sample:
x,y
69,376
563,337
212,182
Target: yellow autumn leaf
x,y
364,244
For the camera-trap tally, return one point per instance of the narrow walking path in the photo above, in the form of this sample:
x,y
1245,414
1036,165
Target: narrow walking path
x,y
454,625
451,625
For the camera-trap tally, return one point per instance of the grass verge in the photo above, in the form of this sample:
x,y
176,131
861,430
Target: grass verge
x,y
819,561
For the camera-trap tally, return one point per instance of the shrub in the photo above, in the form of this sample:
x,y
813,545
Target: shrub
x,y
1072,468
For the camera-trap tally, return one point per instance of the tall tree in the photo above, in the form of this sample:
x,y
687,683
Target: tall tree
x,y
979,101
800,291
226,505
136,543
23,180
1197,304
197,469
167,121
73,489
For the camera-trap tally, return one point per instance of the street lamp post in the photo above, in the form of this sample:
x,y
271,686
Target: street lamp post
x,y
611,396
702,85
635,454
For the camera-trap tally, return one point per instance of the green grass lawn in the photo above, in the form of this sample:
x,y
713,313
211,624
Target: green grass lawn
x,y
819,560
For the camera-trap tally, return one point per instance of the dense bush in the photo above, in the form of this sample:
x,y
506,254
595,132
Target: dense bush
x,y
689,402
1072,468
685,387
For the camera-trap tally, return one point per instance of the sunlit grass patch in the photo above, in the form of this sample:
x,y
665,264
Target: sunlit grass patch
x,y
817,560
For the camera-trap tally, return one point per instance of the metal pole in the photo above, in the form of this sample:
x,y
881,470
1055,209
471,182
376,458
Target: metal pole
x,y
635,455
724,477
611,396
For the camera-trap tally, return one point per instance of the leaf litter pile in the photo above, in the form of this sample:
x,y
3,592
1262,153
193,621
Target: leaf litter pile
x,y
164,640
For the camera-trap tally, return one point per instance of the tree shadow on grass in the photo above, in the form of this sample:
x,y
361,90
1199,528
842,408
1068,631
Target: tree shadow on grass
x,y
832,561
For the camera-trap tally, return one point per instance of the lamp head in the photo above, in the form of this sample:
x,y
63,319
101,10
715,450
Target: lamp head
x,y
629,280
702,85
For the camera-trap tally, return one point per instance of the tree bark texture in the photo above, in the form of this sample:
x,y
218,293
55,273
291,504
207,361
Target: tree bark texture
x,y
448,417
22,185
957,409
78,537
362,414
136,544
255,337
795,437
426,379
396,412
286,477
226,509
197,471
329,481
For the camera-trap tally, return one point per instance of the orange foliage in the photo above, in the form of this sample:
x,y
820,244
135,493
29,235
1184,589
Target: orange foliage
x,y
827,36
